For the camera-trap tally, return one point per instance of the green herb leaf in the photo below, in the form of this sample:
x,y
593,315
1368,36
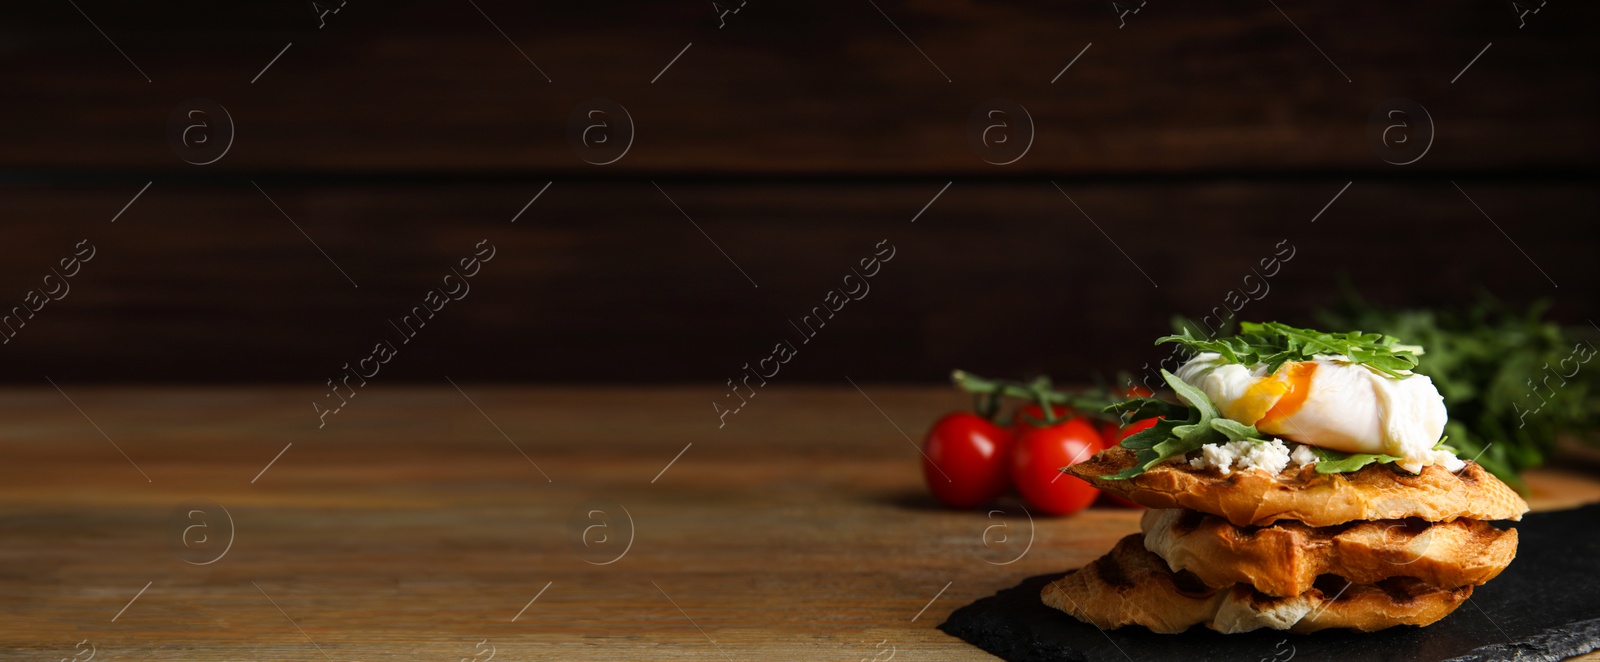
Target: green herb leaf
x,y
1142,408
1148,438
1275,344
1170,437
1236,431
1333,462
1194,397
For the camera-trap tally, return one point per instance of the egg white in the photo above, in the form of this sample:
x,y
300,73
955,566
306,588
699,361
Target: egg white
x,y
1347,407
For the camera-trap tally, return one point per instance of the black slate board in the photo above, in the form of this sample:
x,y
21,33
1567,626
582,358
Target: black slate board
x,y
1545,606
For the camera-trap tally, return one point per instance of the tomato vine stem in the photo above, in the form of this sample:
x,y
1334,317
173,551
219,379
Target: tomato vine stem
x,y
988,393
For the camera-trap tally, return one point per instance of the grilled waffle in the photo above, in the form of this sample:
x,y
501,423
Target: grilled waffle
x,y
1253,498
1132,586
1286,558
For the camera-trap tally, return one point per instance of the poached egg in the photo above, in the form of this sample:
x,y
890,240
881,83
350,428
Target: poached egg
x,y
1331,403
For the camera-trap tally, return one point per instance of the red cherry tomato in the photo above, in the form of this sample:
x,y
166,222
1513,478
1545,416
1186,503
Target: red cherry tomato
x,y
964,460
1040,452
1113,440
1027,415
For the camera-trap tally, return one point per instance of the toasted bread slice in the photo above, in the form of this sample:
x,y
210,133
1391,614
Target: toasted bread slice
x,y
1286,558
1255,498
1132,586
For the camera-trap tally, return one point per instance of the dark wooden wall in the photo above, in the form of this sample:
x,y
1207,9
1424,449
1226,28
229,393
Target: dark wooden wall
x,y
1198,138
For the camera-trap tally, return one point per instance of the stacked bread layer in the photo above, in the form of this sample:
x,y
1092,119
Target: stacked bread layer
x,y
1299,551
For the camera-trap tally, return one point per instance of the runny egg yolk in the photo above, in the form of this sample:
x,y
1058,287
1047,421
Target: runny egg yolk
x,y
1256,401
1296,378
1271,399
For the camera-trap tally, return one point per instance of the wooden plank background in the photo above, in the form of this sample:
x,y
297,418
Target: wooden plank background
x,y
607,282
795,137
829,87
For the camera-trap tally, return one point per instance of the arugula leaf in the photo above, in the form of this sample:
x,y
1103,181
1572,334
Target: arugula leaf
x,y
1170,437
1146,443
1195,397
1275,344
1331,461
1142,408
1334,462
1236,431
1151,438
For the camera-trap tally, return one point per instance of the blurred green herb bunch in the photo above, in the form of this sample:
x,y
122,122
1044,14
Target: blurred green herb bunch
x,y
1515,383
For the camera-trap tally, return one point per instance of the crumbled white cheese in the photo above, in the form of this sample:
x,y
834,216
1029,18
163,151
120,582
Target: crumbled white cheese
x,y
1271,457
1303,456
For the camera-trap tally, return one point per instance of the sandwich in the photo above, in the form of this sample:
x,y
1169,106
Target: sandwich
x,y
1300,482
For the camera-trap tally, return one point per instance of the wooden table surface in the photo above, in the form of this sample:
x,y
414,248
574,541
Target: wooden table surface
x,y
413,527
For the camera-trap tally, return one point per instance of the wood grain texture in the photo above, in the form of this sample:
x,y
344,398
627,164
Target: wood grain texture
x,y
607,282
411,529
798,88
